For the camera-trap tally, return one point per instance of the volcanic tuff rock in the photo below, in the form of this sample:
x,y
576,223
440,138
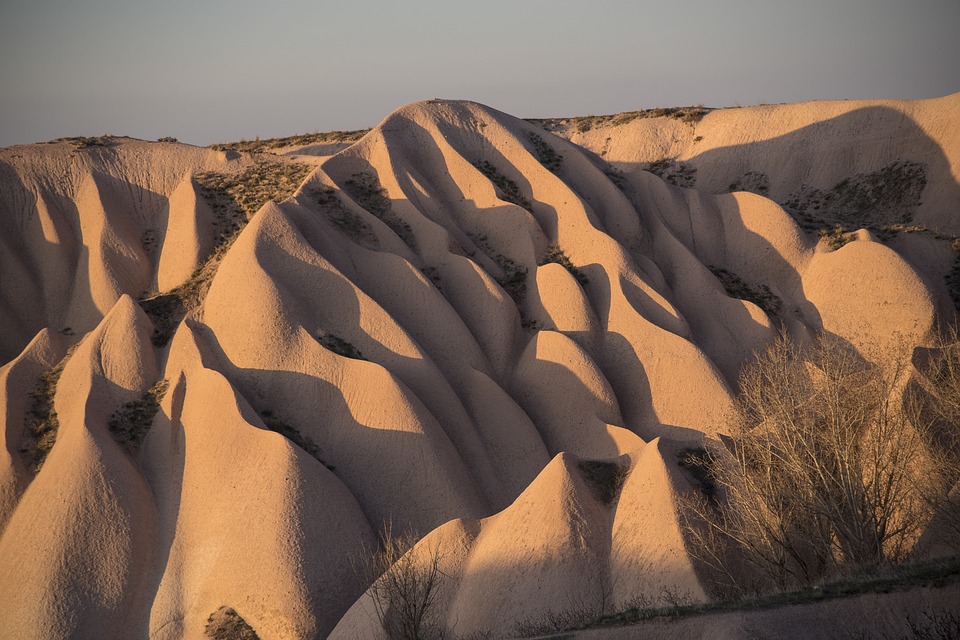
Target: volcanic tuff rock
x,y
462,325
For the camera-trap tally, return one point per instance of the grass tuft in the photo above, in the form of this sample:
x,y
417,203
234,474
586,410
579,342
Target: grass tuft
x,y
604,477
340,346
291,433
509,191
689,115
513,279
130,423
753,181
888,196
555,255
366,191
351,224
226,624
545,153
760,295
42,423
679,174
301,140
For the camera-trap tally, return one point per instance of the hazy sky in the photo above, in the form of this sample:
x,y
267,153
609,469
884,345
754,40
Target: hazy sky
x,y
206,71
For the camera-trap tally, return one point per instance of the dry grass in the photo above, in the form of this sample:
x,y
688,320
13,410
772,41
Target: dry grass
x,y
366,191
753,181
604,477
508,189
679,174
226,624
555,255
130,423
234,198
42,424
291,433
760,295
86,142
339,346
888,196
350,223
689,115
933,574
545,153
300,140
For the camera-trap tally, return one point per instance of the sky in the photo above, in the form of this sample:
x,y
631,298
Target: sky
x,y
217,70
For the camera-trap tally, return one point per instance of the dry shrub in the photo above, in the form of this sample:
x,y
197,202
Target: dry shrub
x,y
404,586
828,471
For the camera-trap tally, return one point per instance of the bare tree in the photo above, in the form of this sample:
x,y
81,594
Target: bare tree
x,y
404,586
826,471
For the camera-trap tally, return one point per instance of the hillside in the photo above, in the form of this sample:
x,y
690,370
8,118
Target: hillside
x,y
227,370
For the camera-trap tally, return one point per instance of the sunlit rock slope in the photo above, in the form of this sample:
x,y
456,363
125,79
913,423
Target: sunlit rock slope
x,y
461,324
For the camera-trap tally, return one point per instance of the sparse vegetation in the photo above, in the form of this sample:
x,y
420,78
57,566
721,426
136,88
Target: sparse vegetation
x,y
291,433
226,624
689,115
836,237
234,198
42,423
825,475
514,281
509,191
168,309
928,574
953,276
760,295
130,423
753,181
555,255
616,177
404,587
554,622
933,625
888,196
301,140
86,142
167,139
347,221
582,614
604,477
148,240
340,346
545,153
514,278
366,191
679,174
433,275
696,460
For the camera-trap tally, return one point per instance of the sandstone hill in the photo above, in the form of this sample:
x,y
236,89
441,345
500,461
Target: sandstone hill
x,y
226,370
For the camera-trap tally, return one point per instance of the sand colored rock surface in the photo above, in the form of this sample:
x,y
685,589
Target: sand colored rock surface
x,y
586,535
87,220
785,150
461,324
